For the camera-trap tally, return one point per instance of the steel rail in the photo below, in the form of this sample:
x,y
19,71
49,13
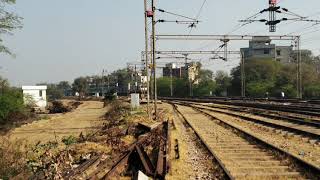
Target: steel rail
x,y
267,123
283,108
204,143
307,166
255,111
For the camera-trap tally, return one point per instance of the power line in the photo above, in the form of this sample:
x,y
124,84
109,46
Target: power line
x,y
198,14
175,14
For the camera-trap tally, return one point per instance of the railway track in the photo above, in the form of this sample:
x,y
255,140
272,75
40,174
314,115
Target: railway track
x,y
297,109
311,102
306,128
241,154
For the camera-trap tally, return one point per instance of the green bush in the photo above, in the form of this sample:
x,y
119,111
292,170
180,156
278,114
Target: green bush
x,y
312,91
258,89
11,102
204,88
69,140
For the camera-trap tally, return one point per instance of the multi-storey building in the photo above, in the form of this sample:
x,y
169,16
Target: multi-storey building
x,y
260,47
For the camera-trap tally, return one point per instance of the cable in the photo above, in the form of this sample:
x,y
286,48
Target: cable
x,y
198,15
240,25
161,10
301,29
310,32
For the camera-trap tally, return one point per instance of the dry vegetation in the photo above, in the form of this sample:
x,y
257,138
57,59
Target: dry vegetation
x,y
54,158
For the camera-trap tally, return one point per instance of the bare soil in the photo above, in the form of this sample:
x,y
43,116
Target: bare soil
x,y
86,118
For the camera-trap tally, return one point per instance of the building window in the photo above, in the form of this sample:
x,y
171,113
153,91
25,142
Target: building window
x,y
266,51
278,53
40,93
278,59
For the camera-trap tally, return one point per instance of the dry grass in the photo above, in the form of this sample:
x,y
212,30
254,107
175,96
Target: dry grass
x,y
12,158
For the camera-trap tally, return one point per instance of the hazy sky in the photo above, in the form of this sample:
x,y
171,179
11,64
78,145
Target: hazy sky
x,y
64,39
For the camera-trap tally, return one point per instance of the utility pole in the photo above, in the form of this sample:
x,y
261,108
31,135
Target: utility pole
x,y
243,76
102,82
154,58
135,79
299,76
147,55
272,15
171,86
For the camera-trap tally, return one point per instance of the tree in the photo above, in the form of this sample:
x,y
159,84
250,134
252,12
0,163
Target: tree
x,y
235,89
4,85
206,84
204,88
80,85
11,101
223,81
163,86
9,21
205,75
64,86
53,91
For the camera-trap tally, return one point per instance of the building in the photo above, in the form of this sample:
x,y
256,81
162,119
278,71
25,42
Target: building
x,y
177,72
35,96
193,70
260,47
189,71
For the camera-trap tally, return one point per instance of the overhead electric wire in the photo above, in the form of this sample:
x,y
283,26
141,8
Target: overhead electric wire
x,y
310,32
198,14
301,29
240,25
175,14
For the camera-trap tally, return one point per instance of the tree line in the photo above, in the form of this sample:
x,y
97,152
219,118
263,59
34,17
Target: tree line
x,y
262,76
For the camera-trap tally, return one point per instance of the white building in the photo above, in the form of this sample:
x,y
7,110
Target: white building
x,y
35,95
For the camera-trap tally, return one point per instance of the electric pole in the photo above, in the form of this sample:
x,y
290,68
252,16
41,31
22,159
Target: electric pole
x,y
243,76
147,55
154,58
299,74
171,86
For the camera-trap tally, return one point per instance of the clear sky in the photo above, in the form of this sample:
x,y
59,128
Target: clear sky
x,y
64,39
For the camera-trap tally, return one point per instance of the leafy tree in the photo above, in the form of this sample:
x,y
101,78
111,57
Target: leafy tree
x,y
206,85
204,88
53,91
4,85
223,81
9,21
270,76
261,70
312,91
80,85
205,75
11,101
258,89
181,87
163,86
235,89
122,77
64,86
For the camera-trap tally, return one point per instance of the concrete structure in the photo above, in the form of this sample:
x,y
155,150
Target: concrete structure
x,y
135,101
177,72
189,71
192,72
35,95
261,48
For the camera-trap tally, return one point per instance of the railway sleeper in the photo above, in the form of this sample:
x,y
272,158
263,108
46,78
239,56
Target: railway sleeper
x,y
230,163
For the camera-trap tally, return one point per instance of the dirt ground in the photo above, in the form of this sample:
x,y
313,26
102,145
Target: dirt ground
x,y
86,118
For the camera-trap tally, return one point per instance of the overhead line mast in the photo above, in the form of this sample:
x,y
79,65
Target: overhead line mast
x,y
272,21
